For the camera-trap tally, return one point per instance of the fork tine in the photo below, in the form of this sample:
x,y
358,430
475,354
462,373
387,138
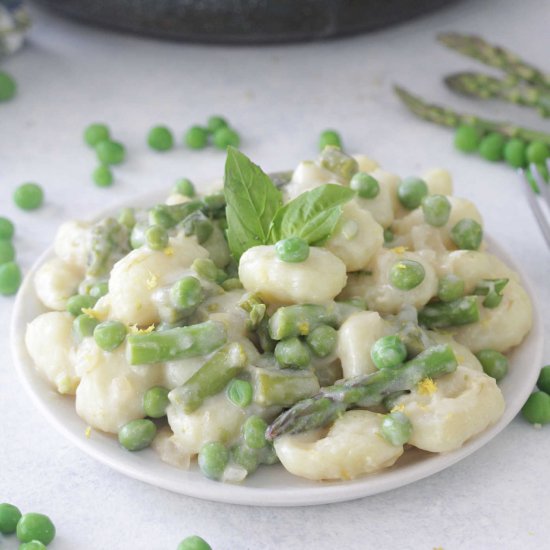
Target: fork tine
x,y
535,206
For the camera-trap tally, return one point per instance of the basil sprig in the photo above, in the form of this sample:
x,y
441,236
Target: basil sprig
x,y
256,215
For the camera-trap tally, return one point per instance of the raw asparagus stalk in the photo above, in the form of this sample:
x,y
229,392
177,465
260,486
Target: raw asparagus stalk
x,y
362,391
175,343
495,56
281,387
211,378
447,117
450,314
486,87
108,244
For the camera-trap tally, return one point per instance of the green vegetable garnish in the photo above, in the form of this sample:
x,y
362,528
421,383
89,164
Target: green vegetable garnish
x,y
9,517
7,228
329,137
7,251
196,137
292,250
102,176
226,137
194,543
10,278
110,152
160,138
35,527
95,133
8,86
29,196
537,408
137,434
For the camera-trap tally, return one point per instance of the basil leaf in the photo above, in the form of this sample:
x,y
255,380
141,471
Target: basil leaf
x,y
252,201
312,216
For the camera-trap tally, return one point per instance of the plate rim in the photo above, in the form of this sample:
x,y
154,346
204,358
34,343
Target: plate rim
x,y
320,492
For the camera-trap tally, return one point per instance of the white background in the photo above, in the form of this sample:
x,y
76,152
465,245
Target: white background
x,y
279,98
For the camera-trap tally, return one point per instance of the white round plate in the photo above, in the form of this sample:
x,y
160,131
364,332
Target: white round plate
x,y
270,486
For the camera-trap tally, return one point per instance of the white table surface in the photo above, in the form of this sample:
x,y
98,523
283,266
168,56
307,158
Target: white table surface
x,y
279,97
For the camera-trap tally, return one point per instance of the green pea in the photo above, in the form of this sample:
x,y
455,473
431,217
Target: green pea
x,y
467,138
196,137
411,191
254,432
366,186
216,122
292,352
356,301
537,408
543,381
491,147
322,340
98,290
187,293
194,543
110,152
240,392
29,196
76,303
450,288
207,269
7,228
388,352
467,234
156,237
7,251
543,171
537,152
515,153
35,527
407,274
185,187
127,218
292,250
224,137
9,516
32,545
160,138
155,402
84,326
388,235
137,434
109,335
494,363
213,458
246,457
396,428
8,86
329,137
10,278
103,176
96,133
436,209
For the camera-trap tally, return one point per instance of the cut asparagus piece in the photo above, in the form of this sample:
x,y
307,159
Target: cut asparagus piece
x,y
334,160
282,387
300,320
175,343
495,56
168,216
447,117
109,243
450,314
492,290
362,391
483,86
211,378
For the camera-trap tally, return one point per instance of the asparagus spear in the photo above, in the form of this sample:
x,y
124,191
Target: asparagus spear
x,y
485,87
282,387
334,160
447,117
300,320
175,343
108,244
211,378
362,391
450,314
495,56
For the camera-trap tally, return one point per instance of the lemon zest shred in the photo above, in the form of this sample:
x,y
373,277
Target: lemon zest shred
x,y
93,313
152,282
88,432
398,408
426,387
169,251
399,249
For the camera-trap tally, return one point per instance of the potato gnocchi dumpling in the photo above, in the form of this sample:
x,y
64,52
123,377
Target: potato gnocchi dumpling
x,y
328,319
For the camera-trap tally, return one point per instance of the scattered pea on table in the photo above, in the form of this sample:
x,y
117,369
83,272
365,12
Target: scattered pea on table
x,y
29,196
95,133
196,137
110,152
224,137
103,176
34,526
160,138
7,228
8,86
10,278
329,137
9,517
194,543
467,139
